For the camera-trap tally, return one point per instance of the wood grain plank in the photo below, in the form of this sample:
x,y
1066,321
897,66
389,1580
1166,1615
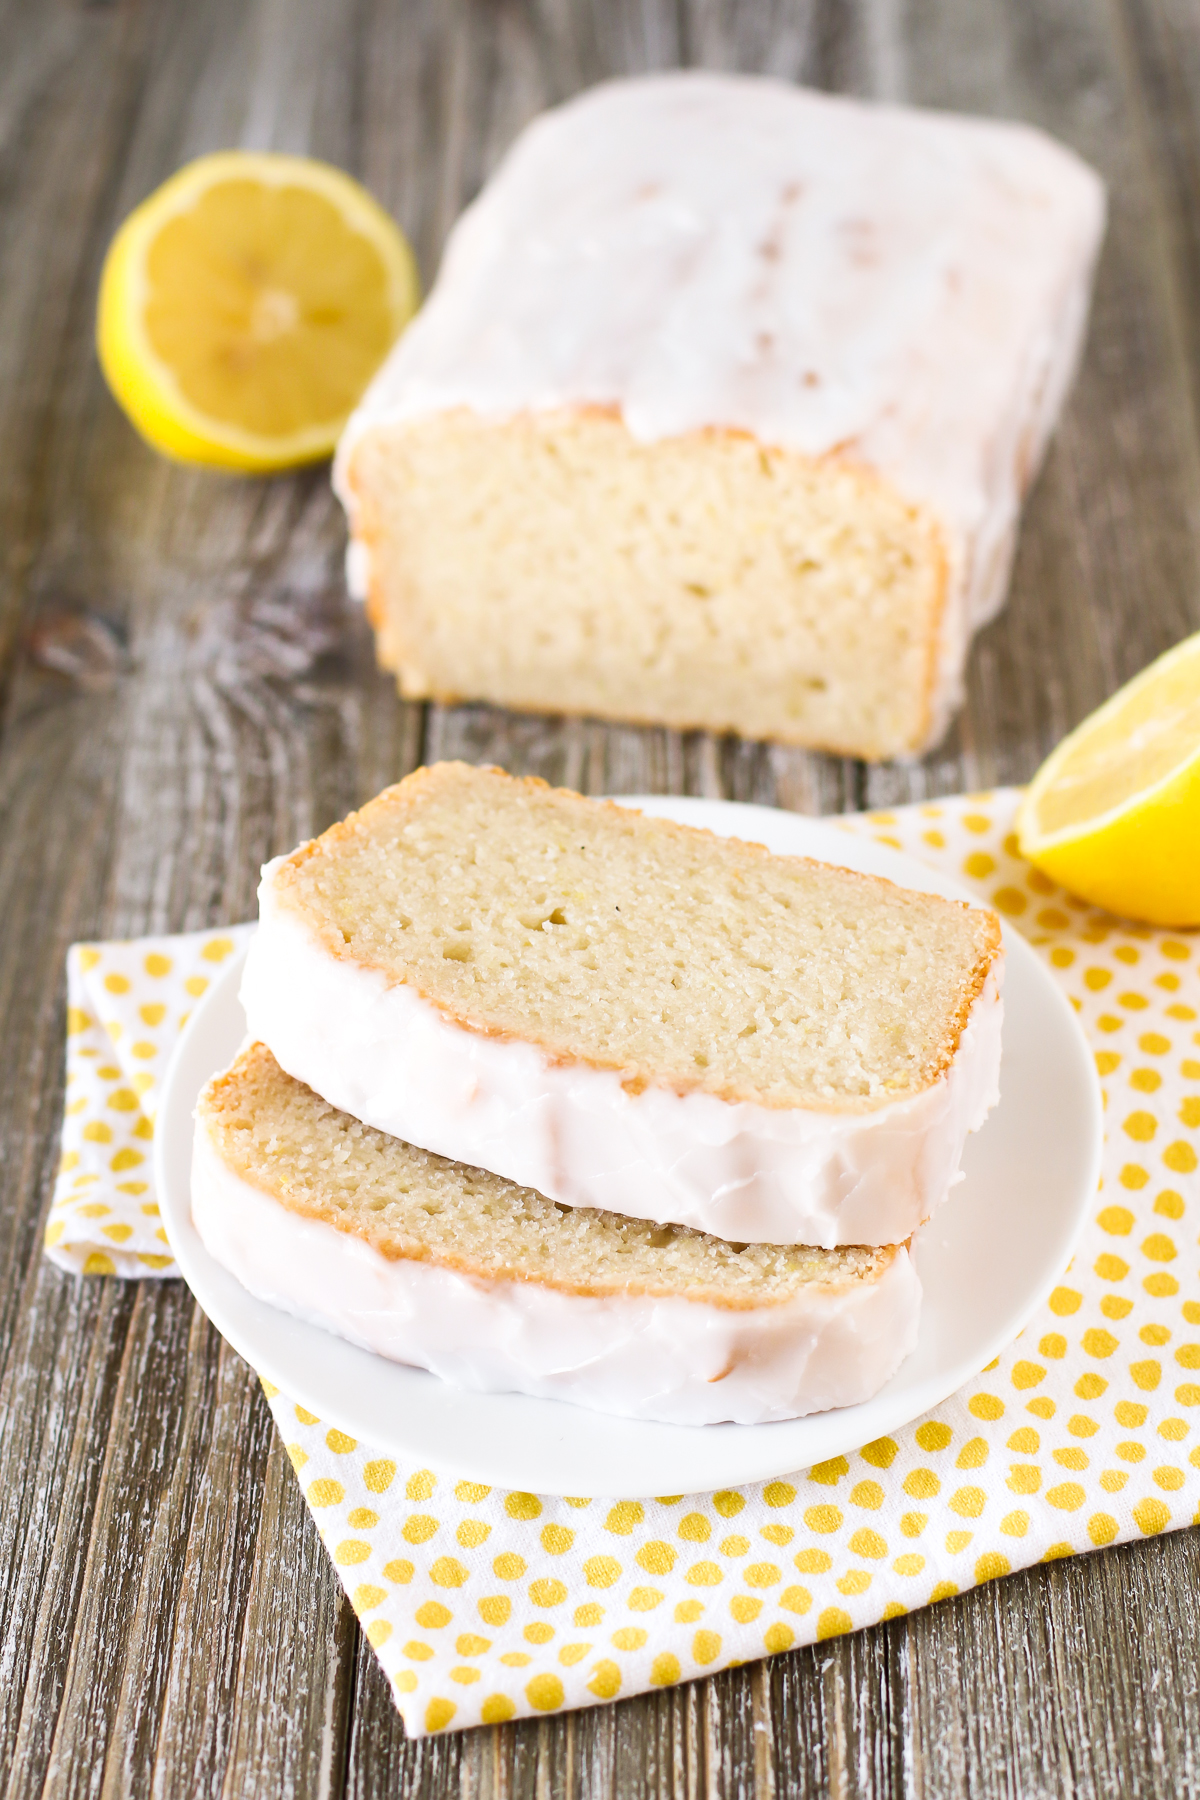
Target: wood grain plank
x,y
57,1400
1162,43
238,707
116,1659
61,103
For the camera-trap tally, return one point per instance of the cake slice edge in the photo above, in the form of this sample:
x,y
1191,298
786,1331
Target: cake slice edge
x,y
375,1046
653,1355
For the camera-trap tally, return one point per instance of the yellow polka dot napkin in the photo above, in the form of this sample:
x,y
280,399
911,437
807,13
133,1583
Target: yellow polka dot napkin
x,y
484,1605
126,1005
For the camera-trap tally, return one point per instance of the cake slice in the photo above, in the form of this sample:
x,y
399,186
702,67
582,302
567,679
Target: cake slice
x,y
721,412
631,1014
494,1287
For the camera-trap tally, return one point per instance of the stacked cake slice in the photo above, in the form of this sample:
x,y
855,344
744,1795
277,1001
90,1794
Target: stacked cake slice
x,y
547,1096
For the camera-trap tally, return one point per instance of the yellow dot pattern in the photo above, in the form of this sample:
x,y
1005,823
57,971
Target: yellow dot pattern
x,y
484,1606
126,1005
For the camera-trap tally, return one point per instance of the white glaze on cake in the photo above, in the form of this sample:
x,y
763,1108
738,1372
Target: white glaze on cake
x,y
906,289
744,1172
680,1361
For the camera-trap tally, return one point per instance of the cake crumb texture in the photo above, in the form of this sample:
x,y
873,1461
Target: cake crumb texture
x,y
637,944
275,1133
554,563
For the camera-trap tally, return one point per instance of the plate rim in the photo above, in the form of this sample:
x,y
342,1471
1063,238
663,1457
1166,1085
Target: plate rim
x,y
837,1427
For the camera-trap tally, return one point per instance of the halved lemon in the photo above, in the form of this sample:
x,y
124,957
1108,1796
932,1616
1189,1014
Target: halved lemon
x,y
245,306
1114,814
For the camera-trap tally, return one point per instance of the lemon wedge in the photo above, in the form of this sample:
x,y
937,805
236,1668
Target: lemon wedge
x,y
246,304
1114,814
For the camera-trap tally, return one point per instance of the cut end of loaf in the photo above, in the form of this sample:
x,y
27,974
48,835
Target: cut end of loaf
x,y
555,563
675,957
276,1134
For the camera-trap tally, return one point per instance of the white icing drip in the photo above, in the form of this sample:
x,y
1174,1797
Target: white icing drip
x,y
908,288
748,1173
358,570
681,1361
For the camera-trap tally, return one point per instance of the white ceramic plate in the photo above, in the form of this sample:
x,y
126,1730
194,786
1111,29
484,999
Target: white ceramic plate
x,y
986,1260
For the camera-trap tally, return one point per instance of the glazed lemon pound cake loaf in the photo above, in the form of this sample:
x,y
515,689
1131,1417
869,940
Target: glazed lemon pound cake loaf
x,y
721,412
494,1287
630,1014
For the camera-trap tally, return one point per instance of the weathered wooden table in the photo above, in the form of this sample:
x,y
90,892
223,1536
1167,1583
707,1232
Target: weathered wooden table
x,y
187,691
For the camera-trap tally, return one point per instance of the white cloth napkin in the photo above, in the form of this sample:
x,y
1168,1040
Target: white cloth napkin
x,y
484,1605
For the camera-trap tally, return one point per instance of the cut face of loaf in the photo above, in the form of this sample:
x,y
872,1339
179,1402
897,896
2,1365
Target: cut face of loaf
x,y
494,1286
629,1013
553,563
722,410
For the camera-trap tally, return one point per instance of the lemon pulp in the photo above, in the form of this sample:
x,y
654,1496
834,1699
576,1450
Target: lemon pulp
x,y
1114,813
246,305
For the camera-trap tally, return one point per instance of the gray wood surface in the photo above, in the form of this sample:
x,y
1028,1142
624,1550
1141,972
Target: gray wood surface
x,y
186,691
